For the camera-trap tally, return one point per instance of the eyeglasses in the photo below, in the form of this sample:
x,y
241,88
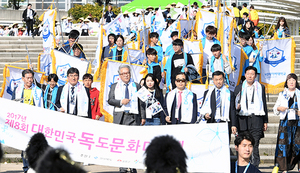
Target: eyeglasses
x,y
180,80
123,74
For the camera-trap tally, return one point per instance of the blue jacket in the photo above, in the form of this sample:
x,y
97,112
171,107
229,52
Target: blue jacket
x,y
257,60
203,40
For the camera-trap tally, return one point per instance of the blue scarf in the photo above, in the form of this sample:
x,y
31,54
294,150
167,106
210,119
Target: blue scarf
x,y
168,68
280,33
150,66
53,99
222,64
114,50
203,41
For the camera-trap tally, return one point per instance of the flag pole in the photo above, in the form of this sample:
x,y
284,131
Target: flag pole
x,y
60,21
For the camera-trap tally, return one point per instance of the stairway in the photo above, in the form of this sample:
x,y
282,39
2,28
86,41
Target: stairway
x,y
13,49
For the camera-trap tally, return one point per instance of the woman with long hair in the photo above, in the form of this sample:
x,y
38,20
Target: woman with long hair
x,y
282,28
152,85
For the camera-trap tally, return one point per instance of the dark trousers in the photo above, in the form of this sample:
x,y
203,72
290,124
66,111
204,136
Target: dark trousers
x,y
29,25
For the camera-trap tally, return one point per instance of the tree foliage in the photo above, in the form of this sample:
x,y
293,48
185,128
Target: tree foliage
x,y
84,11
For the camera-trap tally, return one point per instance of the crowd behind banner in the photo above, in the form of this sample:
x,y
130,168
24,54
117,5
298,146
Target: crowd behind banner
x,y
220,55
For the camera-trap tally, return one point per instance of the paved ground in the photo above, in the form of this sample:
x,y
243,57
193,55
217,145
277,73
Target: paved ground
x,y
17,168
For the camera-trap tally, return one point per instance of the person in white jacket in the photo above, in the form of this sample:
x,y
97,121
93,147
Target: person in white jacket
x,y
288,140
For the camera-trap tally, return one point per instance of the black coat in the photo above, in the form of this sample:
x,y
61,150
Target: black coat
x,y
24,16
173,109
213,107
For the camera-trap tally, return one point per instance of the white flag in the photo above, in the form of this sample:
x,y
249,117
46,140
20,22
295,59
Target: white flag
x,y
165,37
13,79
48,32
159,22
64,62
205,19
193,48
278,62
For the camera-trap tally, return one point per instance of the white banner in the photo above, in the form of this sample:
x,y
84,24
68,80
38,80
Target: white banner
x,y
48,32
14,79
208,18
97,142
64,62
110,77
276,64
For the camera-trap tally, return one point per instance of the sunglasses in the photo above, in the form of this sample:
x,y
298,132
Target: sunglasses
x,y
180,80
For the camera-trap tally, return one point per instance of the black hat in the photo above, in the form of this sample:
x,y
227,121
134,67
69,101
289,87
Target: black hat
x,y
165,154
58,161
36,148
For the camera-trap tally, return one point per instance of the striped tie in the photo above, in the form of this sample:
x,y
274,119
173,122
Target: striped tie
x,y
218,103
72,95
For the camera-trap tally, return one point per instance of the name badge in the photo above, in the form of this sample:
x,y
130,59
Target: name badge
x,y
218,113
291,114
251,108
148,113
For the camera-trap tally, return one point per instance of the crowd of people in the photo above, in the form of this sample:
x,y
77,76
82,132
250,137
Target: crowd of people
x,y
245,109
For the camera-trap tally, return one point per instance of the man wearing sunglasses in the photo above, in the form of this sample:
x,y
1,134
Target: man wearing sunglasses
x,y
181,103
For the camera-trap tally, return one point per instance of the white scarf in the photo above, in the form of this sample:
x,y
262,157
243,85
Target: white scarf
x,y
132,106
258,102
82,99
186,104
284,101
225,103
36,93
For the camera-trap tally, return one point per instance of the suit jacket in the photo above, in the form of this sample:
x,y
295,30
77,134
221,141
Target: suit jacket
x,y
213,107
173,109
256,122
24,15
58,104
118,116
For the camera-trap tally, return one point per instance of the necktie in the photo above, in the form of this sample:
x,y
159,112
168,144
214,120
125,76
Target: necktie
x,y
218,103
179,99
72,95
126,92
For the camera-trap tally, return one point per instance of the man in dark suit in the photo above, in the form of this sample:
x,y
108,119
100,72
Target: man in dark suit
x,y
128,109
127,106
28,17
181,103
214,111
251,109
73,98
